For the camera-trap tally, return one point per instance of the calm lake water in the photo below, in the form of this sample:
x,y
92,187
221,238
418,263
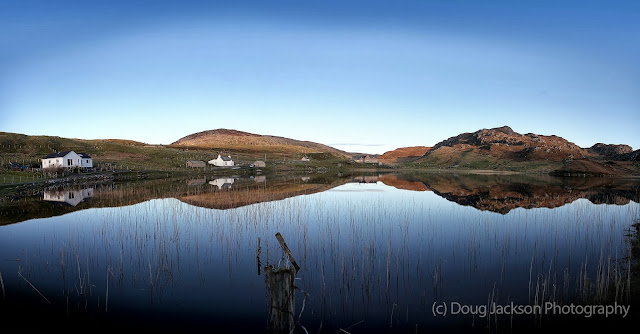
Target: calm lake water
x,y
376,253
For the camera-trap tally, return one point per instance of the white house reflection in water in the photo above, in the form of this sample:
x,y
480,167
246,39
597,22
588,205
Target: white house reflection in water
x,y
70,196
222,183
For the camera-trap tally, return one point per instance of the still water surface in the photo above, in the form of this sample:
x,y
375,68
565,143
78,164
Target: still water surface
x,y
375,253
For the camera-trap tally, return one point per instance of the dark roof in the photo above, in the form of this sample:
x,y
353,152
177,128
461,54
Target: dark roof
x,y
57,155
226,158
63,153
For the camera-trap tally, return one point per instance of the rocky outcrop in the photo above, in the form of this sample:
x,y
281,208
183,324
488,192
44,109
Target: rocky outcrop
x,y
631,156
610,150
504,143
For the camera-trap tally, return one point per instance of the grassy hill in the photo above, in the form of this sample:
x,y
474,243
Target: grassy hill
x,y
281,154
232,140
124,153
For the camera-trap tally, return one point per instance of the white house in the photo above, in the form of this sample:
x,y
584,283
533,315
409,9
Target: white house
x,y
67,159
221,161
72,197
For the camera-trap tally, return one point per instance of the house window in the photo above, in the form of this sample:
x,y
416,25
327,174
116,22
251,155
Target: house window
x,y
87,161
71,195
70,162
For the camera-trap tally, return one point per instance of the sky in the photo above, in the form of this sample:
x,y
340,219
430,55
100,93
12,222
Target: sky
x,y
362,76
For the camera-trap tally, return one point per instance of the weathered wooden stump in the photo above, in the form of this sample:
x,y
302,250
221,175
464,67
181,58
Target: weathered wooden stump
x,y
281,286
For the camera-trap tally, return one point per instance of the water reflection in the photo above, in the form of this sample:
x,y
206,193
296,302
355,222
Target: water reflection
x,y
504,193
372,255
365,179
222,183
493,193
71,197
196,182
259,178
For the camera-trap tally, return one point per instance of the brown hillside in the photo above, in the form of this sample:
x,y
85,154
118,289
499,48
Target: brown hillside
x,y
403,154
225,139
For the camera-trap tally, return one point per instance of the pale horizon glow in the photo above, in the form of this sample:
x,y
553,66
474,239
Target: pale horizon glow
x,y
362,77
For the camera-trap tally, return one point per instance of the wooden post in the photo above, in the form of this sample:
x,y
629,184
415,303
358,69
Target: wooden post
x,y
281,285
286,250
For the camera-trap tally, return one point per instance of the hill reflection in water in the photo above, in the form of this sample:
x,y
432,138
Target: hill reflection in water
x,y
495,193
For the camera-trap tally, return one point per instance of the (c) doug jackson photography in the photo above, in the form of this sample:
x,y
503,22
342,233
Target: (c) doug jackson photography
x,y
303,167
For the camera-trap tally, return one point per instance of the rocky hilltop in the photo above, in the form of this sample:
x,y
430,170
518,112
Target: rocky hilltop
x,y
610,150
504,143
616,152
504,149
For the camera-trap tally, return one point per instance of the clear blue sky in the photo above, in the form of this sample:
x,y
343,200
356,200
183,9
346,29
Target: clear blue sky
x,y
366,76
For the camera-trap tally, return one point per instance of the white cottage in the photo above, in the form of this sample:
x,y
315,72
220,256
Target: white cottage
x,y
221,161
67,159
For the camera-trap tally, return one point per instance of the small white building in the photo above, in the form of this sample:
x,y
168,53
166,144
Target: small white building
x,y
221,161
305,159
67,159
